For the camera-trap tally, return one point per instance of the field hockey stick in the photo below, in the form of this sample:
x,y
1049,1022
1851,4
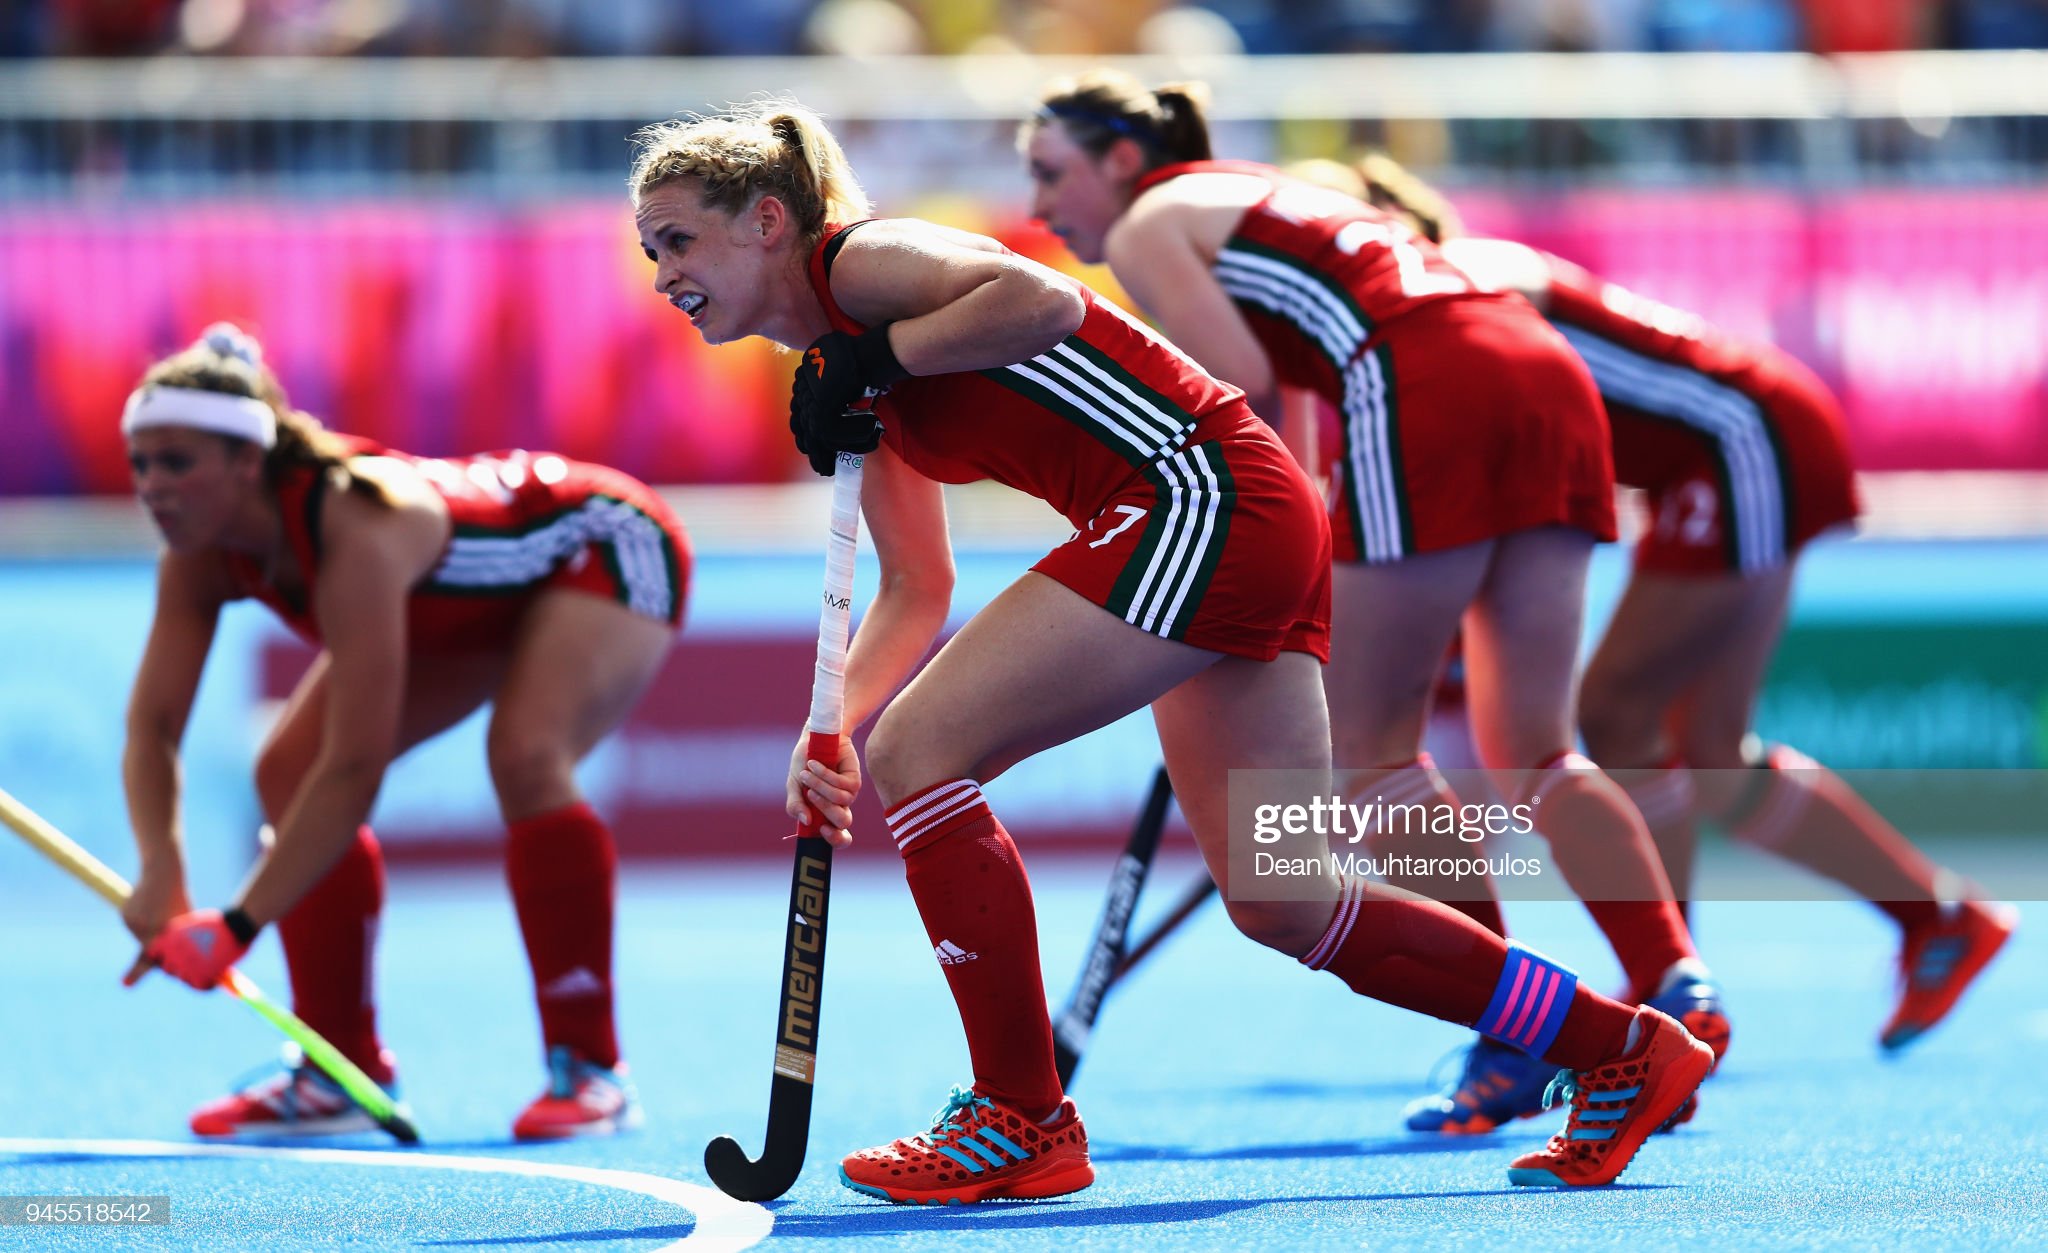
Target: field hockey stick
x,y
1070,1030
810,886
1193,898
91,871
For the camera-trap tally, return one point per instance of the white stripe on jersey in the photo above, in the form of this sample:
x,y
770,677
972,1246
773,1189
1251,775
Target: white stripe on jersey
x,y
1197,462
1295,296
1318,313
1737,426
1164,428
491,561
1370,477
1107,400
1289,304
1194,499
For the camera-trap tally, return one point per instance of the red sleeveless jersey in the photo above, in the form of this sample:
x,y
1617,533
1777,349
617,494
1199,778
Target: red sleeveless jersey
x,y
1744,451
1318,273
1579,302
1074,426
519,521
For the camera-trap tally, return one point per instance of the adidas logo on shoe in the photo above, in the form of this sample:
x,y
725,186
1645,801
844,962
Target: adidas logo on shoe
x,y
951,954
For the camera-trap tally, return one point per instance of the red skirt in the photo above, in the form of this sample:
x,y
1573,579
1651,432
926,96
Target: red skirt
x,y
1465,421
1742,493
1222,545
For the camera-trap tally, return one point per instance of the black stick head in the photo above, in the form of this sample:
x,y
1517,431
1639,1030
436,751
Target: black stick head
x,y
1066,1061
401,1129
744,1179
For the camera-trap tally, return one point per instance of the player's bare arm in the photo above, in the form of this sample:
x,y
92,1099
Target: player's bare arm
x,y
958,301
191,587
1154,254
373,554
905,513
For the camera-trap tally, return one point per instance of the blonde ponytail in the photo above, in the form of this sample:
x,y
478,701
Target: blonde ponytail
x,y
1393,186
765,148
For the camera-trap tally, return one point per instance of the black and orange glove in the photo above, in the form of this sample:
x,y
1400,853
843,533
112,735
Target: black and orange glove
x,y
831,402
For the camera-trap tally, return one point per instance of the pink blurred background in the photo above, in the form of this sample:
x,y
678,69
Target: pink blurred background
x,y
454,328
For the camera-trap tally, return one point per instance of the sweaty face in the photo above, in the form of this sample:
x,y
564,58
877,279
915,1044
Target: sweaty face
x,y
192,482
706,263
1076,195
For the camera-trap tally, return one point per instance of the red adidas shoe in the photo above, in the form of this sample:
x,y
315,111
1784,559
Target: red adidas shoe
x,y
1617,1105
581,1099
977,1150
1937,964
295,1101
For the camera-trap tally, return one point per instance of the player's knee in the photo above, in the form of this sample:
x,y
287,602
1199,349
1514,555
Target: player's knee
x,y
1572,779
1281,925
1354,745
1615,728
1709,743
1769,807
893,758
529,769
902,759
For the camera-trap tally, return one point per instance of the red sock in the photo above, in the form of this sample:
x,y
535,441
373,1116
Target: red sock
x,y
563,871
1418,784
330,940
1807,814
1425,956
1605,853
1664,796
971,891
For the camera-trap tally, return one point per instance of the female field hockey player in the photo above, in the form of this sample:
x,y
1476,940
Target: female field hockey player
x,y
1744,458
1472,482
1196,583
549,588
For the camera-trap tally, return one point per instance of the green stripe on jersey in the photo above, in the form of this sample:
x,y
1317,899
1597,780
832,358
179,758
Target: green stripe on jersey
x,y
504,561
1238,243
1212,552
1088,388
521,528
1168,573
1397,471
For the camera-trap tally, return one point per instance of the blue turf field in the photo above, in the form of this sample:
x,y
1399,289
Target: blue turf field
x,y
1233,1099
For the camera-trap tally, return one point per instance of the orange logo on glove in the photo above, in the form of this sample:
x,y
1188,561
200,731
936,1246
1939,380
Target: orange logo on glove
x,y
816,356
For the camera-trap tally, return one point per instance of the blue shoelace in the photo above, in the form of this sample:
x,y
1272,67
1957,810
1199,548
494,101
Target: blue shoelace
x,y
960,1106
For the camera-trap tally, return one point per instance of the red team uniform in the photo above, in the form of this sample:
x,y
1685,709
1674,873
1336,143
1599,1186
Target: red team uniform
x,y
1194,522
1745,456
1744,453
1191,519
523,522
1463,415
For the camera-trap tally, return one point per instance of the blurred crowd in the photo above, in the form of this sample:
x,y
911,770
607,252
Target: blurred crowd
x,y
1083,27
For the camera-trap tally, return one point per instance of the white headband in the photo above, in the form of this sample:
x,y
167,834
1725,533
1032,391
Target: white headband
x,y
240,416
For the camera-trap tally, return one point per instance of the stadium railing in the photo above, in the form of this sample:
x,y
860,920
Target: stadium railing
x,y
181,125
